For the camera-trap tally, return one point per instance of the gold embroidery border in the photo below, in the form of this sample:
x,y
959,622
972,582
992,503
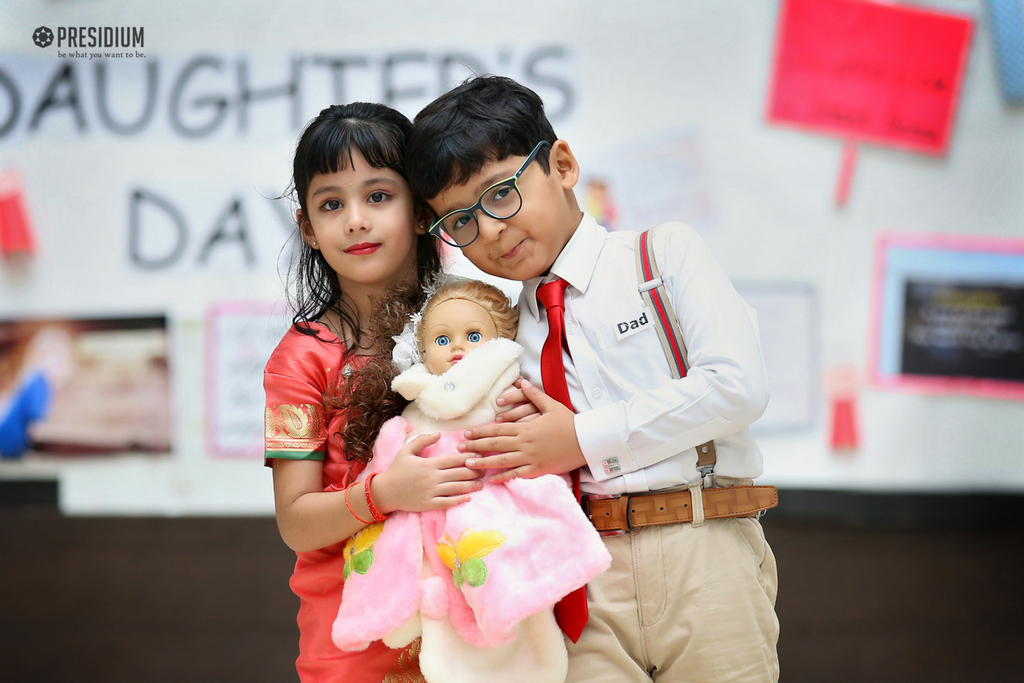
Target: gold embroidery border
x,y
296,423
407,669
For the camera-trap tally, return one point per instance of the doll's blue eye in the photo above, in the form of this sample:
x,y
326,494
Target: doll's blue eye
x,y
443,340
475,337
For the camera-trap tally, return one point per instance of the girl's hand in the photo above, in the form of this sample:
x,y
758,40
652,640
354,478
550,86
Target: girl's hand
x,y
522,408
416,484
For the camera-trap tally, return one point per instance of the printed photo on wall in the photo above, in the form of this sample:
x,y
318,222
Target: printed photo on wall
x,y
950,314
84,386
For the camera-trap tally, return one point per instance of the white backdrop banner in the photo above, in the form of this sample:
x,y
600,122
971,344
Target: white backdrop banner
x,y
94,92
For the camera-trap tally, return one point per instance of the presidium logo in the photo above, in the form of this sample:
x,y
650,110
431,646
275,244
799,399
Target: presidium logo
x,y
91,36
42,36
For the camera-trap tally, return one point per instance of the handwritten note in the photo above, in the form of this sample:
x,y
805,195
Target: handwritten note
x,y
649,181
866,71
240,337
789,332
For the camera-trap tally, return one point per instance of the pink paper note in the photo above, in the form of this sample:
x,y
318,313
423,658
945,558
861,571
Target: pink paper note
x,y
867,71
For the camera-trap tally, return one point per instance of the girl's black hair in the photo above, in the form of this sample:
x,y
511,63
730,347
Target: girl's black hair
x,y
325,146
380,134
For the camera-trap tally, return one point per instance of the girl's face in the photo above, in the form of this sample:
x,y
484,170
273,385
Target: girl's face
x,y
452,330
362,220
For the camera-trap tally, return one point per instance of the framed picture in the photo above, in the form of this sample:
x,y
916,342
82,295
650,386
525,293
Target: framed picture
x,y
949,314
85,386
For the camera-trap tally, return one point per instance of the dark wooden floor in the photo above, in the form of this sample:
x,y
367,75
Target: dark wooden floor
x,y
111,600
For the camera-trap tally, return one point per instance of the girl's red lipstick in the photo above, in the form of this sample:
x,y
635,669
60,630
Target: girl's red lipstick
x,y
363,248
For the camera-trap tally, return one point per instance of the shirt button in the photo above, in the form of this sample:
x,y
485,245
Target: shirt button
x,y
595,392
570,328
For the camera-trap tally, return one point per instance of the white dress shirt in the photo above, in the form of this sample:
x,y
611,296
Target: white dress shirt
x,y
636,425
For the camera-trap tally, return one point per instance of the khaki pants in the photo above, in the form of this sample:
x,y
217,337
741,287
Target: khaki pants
x,y
682,604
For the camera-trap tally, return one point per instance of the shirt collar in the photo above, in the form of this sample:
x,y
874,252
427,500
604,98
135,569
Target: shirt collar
x,y
575,264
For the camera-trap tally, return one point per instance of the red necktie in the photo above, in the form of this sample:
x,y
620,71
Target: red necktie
x,y
571,611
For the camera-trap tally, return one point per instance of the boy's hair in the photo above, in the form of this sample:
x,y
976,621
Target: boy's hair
x,y
485,119
503,314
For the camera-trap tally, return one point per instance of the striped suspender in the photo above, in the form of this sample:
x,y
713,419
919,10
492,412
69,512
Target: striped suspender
x,y
655,294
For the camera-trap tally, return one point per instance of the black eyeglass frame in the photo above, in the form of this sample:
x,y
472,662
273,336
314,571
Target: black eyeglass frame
x,y
439,232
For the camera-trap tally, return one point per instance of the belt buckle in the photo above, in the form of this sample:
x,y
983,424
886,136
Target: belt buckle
x,y
585,501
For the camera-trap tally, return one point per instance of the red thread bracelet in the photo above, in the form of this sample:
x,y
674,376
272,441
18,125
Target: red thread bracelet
x,y
377,517
355,483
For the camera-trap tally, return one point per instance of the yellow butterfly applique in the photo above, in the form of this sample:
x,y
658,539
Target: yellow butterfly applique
x,y
358,552
463,557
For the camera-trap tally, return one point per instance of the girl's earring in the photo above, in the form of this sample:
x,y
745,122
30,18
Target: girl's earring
x,y
314,244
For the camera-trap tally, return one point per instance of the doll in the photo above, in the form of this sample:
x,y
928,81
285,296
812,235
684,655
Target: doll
x,y
477,581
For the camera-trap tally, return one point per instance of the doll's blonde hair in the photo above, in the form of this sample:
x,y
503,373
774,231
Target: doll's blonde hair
x,y
488,297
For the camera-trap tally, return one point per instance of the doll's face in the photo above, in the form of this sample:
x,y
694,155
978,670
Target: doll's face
x,y
452,330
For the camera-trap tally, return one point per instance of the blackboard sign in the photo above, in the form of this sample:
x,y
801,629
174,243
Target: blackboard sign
x,y
949,314
963,330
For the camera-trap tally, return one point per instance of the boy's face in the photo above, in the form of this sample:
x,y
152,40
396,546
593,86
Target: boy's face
x,y
525,245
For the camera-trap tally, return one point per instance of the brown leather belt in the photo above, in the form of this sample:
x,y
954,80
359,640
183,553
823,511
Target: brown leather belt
x,y
622,513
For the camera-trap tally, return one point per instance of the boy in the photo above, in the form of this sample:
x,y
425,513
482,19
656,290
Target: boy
x,y
684,600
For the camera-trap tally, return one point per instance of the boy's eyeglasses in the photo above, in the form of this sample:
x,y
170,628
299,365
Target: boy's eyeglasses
x,y
499,201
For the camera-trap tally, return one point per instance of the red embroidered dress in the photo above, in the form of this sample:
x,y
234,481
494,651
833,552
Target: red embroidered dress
x,y
298,427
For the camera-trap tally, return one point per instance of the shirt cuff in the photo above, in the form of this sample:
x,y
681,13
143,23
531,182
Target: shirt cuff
x,y
601,435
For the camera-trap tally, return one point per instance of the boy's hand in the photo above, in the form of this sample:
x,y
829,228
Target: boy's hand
x,y
545,444
522,408
415,484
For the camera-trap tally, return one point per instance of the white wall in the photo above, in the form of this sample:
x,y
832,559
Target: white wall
x,y
636,70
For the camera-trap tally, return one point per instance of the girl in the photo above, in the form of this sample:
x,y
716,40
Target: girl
x,y
363,249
